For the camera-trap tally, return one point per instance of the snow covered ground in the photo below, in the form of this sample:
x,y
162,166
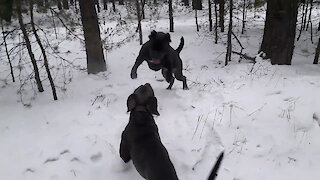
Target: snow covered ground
x,y
266,118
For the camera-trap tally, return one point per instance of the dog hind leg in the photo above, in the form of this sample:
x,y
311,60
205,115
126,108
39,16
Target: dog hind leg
x,y
168,76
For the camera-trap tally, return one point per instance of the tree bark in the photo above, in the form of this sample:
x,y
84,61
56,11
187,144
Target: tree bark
x,y
186,2
139,21
46,63
229,46
143,2
65,4
29,48
196,16
316,57
221,14
171,16
114,5
89,19
210,15
243,17
216,23
105,4
6,10
59,4
197,4
280,31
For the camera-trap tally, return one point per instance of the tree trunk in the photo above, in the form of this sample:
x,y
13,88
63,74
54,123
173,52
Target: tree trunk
x,y
280,31
216,23
121,2
7,52
6,10
229,44
316,57
243,16
186,2
196,16
65,4
98,5
59,4
114,5
105,4
210,15
170,16
95,57
46,64
143,2
139,21
197,4
221,14
28,44
305,15
309,18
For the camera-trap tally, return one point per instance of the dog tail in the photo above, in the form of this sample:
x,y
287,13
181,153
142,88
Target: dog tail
x,y
180,45
215,169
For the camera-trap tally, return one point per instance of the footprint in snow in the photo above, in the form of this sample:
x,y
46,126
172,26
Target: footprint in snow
x,y
96,157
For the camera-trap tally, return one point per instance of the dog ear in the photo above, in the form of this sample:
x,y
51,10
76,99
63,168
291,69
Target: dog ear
x,y
168,38
131,102
152,106
153,34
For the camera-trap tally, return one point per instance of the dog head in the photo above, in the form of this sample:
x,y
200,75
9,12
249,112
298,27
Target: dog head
x,y
159,46
143,97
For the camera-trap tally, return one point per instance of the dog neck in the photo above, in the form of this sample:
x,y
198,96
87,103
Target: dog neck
x,y
140,115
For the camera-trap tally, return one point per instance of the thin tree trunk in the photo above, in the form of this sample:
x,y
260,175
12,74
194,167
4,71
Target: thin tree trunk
x,y
316,57
7,52
196,16
243,16
98,5
229,46
210,15
114,5
93,44
142,8
139,21
59,4
216,23
309,18
221,15
305,15
46,63
302,18
105,4
28,44
171,16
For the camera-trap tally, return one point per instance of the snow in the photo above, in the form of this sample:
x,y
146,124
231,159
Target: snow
x,y
265,118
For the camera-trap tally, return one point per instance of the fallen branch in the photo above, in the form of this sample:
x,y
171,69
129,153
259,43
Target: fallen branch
x,y
245,56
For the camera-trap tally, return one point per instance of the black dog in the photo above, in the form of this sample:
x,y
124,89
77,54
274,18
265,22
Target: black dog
x,y
141,142
160,55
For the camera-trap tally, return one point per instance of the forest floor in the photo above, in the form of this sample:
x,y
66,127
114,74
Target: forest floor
x,y
265,118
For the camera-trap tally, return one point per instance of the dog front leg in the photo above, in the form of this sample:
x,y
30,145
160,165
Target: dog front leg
x,y
167,74
138,62
124,149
